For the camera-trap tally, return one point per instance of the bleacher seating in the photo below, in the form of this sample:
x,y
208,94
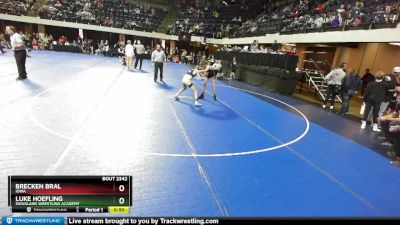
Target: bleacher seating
x,y
104,12
318,16
16,7
287,17
240,18
208,21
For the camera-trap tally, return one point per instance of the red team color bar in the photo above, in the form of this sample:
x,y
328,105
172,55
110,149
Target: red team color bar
x,y
55,191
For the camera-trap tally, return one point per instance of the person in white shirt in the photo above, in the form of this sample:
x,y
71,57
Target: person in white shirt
x,y
18,47
129,53
254,47
319,22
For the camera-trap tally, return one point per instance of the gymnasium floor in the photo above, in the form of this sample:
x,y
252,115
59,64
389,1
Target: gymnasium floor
x,y
252,153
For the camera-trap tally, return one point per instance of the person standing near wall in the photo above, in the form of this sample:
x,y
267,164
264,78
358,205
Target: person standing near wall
x,y
351,84
392,94
234,66
18,47
373,97
334,80
367,78
389,101
159,59
254,47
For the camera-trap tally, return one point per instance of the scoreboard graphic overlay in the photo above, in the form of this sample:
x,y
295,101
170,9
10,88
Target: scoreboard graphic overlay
x,y
82,194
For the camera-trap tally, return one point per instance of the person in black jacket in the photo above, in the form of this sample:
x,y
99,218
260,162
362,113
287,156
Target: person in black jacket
x,y
373,97
234,65
392,94
367,78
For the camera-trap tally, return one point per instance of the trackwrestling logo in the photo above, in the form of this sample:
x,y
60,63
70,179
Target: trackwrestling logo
x,y
33,220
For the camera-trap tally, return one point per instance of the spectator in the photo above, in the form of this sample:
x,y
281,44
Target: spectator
x,y
254,47
389,100
373,97
334,80
351,84
100,47
1,43
62,40
335,22
51,39
396,154
35,44
390,124
106,48
367,78
392,94
234,66
105,12
275,46
121,54
129,53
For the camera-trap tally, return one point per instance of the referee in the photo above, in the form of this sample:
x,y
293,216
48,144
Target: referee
x,y
18,47
159,59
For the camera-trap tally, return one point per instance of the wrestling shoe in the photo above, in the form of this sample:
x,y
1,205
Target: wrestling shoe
x,y
197,104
